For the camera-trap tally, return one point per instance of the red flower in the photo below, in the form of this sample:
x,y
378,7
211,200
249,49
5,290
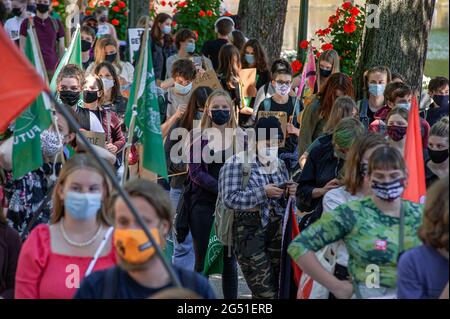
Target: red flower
x,y
351,20
319,32
349,27
228,14
163,3
355,11
346,5
296,66
327,46
88,12
182,4
175,11
196,34
304,44
106,3
115,9
55,3
209,13
170,4
115,22
332,20
125,13
174,24
202,13
121,4
338,12
318,54
326,31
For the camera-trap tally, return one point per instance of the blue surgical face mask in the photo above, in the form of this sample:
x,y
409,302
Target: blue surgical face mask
x,y
183,90
250,58
82,206
167,29
377,89
190,47
220,117
406,106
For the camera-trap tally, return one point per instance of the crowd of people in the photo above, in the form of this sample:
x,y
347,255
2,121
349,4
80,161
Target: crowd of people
x,y
65,233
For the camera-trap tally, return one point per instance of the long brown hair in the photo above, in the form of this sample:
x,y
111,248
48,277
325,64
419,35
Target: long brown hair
x,y
115,91
434,229
77,162
353,176
337,81
156,33
197,101
332,57
343,107
99,51
260,56
226,60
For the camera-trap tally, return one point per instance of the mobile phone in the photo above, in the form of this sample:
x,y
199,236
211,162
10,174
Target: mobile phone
x,y
285,184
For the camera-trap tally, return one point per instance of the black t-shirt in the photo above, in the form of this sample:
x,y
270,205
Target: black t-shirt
x,y
87,63
211,50
434,114
126,287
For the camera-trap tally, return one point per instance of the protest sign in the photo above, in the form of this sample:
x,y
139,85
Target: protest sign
x,y
248,80
208,79
95,138
134,37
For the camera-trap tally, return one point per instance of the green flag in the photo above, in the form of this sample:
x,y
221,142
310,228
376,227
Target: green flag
x,y
27,154
214,255
148,119
71,56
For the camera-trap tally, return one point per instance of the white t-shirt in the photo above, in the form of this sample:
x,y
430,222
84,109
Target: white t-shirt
x,y
94,124
12,27
332,199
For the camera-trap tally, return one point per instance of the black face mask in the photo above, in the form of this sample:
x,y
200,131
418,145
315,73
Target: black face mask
x,y
16,12
31,8
90,96
42,8
325,73
85,45
438,157
69,97
102,19
111,57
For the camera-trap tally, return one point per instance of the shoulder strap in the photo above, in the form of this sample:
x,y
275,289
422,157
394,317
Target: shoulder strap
x,y
363,108
267,104
110,283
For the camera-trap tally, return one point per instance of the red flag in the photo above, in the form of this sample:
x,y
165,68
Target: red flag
x,y
20,84
416,189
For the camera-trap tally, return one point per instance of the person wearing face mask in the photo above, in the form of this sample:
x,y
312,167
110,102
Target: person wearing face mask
x,y
93,100
113,98
183,255
291,106
104,28
438,91
423,271
185,43
437,166
12,25
355,186
258,208
50,35
140,272
87,42
323,168
162,44
254,56
318,108
5,10
397,124
376,230
208,152
107,49
375,81
78,231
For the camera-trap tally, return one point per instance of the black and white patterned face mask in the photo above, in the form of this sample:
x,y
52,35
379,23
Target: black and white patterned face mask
x,y
51,143
389,191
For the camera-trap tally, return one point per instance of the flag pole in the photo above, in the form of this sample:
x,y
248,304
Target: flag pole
x,y
115,184
134,105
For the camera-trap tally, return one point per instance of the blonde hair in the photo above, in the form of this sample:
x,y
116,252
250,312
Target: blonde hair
x,y
330,56
440,128
206,120
343,107
77,162
99,51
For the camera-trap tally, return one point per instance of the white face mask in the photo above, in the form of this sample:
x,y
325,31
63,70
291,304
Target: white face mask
x,y
107,84
183,90
51,143
268,155
282,89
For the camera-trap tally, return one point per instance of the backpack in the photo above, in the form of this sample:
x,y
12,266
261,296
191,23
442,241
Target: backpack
x,y
224,217
363,106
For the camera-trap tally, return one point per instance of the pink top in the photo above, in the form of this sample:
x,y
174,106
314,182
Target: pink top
x,y
42,274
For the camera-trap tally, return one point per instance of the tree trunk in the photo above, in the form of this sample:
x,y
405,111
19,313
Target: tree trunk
x,y
264,20
399,41
137,8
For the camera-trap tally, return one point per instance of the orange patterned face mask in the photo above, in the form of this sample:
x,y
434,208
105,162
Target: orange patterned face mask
x,y
133,246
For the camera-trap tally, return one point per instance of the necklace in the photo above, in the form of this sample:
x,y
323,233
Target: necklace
x,y
73,243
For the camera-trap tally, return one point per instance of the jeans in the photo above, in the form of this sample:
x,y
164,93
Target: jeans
x,y
183,253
